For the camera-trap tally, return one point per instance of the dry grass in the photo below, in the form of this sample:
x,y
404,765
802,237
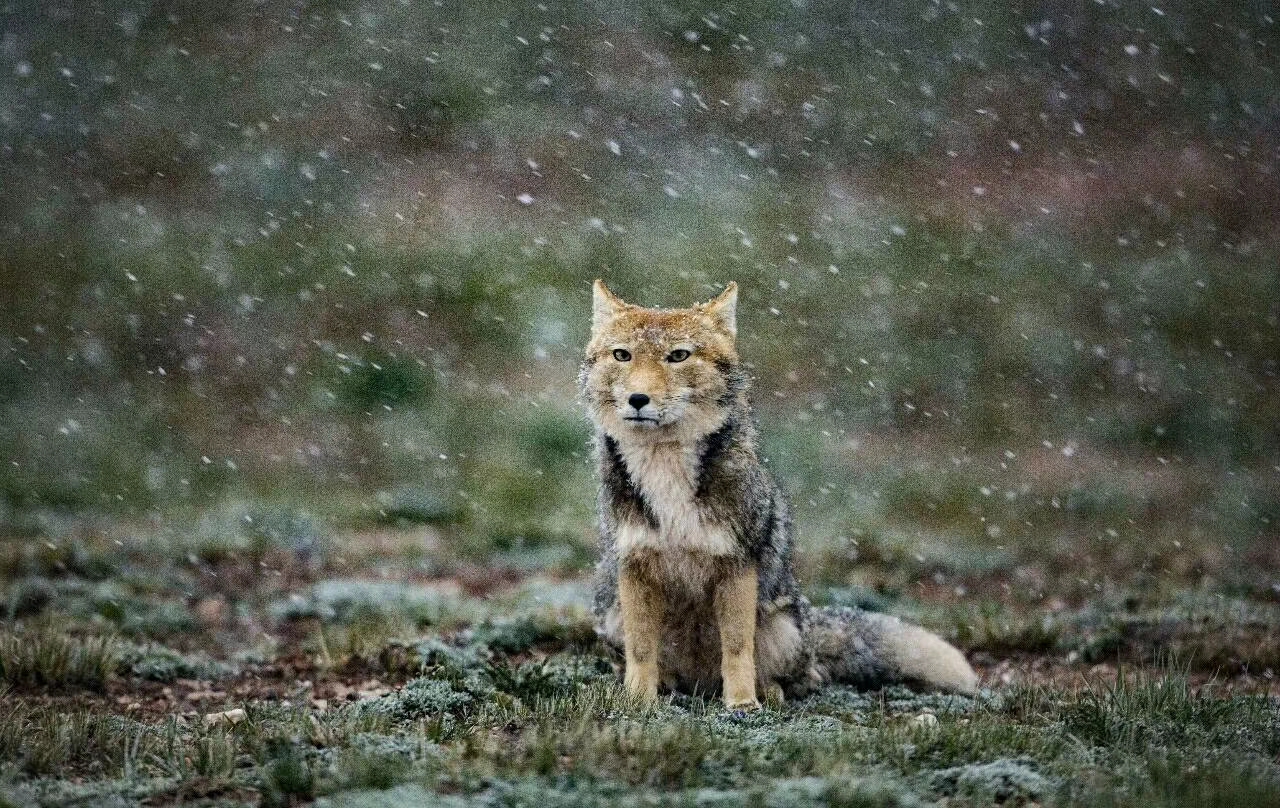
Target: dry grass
x,y
43,657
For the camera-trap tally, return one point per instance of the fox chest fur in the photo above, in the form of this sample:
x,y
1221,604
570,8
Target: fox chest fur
x,y
680,543
669,518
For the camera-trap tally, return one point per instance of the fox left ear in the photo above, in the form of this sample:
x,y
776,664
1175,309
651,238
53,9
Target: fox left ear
x,y
724,309
605,305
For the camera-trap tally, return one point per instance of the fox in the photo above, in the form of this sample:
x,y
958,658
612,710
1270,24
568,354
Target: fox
x,y
695,586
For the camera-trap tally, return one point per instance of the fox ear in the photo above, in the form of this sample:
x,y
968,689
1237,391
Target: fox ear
x,y
724,309
605,305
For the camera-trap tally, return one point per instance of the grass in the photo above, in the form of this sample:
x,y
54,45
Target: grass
x,y
1212,635
385,667
44,657
1176,782
41,741
1141,713
567,734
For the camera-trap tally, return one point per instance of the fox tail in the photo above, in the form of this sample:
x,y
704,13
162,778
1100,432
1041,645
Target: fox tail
x,y
869,650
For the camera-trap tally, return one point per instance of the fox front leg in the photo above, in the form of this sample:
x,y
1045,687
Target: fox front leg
x,y
735,609
642,610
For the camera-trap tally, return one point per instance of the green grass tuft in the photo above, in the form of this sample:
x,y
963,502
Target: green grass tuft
x,y
379,761
47,658
288,777
44,741
1142,712
1180,782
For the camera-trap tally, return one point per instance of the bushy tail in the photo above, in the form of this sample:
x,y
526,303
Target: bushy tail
x,y
870,650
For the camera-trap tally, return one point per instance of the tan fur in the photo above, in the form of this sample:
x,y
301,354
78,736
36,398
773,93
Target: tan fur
x,y
643,609
683,394
664,472
686,592
921,656
778,643
682,572
734,603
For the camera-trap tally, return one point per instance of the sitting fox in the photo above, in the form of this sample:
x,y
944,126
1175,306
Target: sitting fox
x,y
696,583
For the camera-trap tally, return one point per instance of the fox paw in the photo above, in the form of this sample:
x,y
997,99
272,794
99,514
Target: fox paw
x,y
743,706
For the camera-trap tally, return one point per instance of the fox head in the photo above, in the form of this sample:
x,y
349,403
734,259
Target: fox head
x,y
662,374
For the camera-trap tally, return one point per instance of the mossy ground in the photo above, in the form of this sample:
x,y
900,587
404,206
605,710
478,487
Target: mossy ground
x,y
162,667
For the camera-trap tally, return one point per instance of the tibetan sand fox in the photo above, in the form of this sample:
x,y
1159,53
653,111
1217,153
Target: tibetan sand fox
x,y
695,584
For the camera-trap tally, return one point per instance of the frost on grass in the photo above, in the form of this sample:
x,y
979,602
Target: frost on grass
x,y
513,635
374,760
423,698
461,679
819,792
899,699
854,705
343,600
434,652
763,728
47,658
159,663
804,792
415,794
117,601
98,793
1004,781
406,794
843,702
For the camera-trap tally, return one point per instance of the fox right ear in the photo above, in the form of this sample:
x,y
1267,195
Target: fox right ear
x,y
605,305
725,309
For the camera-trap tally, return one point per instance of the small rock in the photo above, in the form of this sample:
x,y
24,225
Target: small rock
x,y
926,720
211,611
226,717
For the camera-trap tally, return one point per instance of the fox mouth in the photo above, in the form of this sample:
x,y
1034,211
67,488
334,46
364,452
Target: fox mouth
x,y
641,419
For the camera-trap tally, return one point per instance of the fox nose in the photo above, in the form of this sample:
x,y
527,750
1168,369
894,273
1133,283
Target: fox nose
x,y
638,400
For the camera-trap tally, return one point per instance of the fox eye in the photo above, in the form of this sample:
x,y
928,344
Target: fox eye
x,y
678,355
622,354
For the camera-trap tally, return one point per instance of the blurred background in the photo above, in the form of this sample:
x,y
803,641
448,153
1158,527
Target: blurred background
x,y
296,280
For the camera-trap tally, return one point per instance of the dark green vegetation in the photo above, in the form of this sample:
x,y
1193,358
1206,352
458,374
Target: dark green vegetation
x,y
291,301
